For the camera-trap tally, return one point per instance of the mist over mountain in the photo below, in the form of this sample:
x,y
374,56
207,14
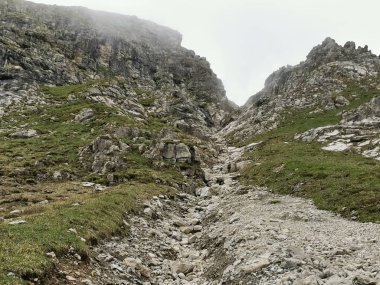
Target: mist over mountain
x,y
123,162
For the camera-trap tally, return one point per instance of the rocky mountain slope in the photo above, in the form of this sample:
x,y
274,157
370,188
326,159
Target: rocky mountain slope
x,y
315,122
114,165
319,83
97,111
56,45
233,234
114,75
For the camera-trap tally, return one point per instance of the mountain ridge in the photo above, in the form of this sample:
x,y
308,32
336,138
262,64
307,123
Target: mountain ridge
x,y
314,83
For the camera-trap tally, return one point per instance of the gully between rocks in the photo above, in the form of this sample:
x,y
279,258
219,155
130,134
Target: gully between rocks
x,y
233,234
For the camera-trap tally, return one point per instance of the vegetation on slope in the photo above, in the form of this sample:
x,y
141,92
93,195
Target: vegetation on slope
x,y
52,207
66,225
346,183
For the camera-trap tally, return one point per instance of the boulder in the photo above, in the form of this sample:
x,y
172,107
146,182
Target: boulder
x,y
203,192
179,152
169,152
341,101
24,134
84,115
195,156
182,153
181,267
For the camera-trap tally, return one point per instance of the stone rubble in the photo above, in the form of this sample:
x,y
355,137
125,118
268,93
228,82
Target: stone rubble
x,y
357,132
232,234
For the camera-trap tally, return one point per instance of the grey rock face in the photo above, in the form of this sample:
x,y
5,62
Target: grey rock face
x,y
24,134
180,152
104,155
316,83
168,151
358,131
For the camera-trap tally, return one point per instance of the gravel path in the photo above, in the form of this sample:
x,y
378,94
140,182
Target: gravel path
x,y
230,234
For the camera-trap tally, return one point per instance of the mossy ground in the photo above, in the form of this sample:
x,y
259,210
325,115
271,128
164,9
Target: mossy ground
x,y
346,183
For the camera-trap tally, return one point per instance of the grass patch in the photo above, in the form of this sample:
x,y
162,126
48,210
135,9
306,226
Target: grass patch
x,y
339,182
23,248
60,137
61,92
147,102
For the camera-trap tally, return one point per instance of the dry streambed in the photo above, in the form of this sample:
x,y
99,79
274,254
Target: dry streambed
x,y
230,234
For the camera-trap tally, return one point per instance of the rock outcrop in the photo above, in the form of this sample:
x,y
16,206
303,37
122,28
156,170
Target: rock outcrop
x,y
105,155
236,235
180,152
315,84
72,45
357,132
99,111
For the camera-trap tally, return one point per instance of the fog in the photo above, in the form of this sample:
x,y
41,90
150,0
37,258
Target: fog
x,y
246,40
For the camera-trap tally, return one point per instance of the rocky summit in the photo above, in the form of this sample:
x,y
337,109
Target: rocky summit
x,y
123,162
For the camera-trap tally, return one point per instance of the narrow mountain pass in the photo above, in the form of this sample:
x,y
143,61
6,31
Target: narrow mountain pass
x,y
233,234
112,170
168,244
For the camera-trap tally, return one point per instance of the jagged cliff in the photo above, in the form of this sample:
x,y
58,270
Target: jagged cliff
x,y
312,124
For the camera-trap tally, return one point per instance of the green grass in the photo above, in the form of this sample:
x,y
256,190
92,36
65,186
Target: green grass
x,y
147,102
23,248
337,182
59,138
62,92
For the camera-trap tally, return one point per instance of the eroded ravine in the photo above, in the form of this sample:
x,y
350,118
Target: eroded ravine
x,y
233,234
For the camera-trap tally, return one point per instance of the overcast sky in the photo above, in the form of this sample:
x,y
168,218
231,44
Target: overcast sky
x,y
246,40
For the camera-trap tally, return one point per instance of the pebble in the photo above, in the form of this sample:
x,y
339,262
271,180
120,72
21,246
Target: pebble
x,y
70,278
87,282
51,254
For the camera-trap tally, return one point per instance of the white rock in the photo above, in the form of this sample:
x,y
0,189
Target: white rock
x,y
17,222
338,146
255,265
51,254
203,192
24,134
88,184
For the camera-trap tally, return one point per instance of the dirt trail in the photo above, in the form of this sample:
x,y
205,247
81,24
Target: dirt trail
x,y
230,234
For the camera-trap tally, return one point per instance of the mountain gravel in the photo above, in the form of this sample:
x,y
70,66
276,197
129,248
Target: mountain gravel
x,y
228,233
